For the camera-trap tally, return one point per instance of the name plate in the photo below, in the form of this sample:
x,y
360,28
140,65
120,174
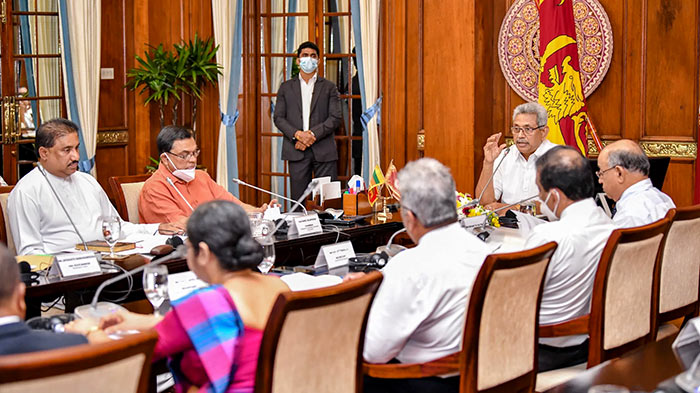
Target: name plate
x,y
335,255
181,284
306,225
76,264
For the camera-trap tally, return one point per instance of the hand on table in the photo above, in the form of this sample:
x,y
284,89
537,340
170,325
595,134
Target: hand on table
x,y
126,320
171,228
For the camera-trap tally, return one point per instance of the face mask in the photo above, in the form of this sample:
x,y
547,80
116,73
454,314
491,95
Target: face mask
x,y
186,175
308,64
545,208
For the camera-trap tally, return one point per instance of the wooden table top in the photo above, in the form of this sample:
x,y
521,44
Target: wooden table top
x,y
642,369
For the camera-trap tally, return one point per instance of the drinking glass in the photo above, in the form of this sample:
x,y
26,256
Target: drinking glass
x,y
155,285
255,219
268,246
111,231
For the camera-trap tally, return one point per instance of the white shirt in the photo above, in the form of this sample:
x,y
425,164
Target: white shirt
x,y
641,204
40,226
418,313
307,92
515,179
9,319
581,235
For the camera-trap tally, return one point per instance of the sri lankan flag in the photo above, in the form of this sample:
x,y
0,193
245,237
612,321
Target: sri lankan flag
x,y
391,176
560,88
375,185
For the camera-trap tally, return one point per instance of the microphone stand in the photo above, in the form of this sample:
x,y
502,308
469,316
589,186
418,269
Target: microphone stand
x,y
179,252
476,201
309,188
241,182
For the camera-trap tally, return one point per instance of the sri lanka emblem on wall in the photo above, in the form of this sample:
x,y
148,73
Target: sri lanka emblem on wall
x,y
519,40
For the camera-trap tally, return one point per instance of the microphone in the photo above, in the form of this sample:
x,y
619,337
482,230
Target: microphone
x,y
180,252
179,193
476,201
309,188
241,182
75,228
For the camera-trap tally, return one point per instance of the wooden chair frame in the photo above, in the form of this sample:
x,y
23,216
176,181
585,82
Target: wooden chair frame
x,y
3,232
690,310
593,323
28,366
115,184
292,301
466,361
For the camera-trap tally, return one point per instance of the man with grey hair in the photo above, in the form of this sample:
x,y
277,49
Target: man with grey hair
x,y
418,312
624,174
514,180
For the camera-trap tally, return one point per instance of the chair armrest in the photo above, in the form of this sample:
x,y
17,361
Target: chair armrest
x,y
575,326
445,365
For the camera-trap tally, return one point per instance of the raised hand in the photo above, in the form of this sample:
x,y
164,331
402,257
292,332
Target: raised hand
x,y
492,149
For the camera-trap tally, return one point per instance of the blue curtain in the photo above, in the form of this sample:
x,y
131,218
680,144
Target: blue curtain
x,y
28,65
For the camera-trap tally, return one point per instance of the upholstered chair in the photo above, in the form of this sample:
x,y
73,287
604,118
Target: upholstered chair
x,y
126,190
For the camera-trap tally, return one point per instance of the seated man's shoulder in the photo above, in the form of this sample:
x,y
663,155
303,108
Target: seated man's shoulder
x,y
24,340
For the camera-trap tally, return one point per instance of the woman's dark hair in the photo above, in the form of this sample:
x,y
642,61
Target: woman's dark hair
x,y
224,227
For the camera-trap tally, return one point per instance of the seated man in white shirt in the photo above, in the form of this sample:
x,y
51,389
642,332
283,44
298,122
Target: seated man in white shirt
x,y
514,180
624,174
46,202
418,313
581,230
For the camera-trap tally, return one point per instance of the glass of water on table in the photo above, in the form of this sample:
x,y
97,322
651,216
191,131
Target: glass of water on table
x,y
155,285
268,246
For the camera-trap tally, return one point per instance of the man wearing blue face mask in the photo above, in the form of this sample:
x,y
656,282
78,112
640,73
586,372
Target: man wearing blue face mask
x,y
308,113
581,229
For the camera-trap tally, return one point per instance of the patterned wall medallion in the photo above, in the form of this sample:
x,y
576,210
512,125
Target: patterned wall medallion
x,y
519,39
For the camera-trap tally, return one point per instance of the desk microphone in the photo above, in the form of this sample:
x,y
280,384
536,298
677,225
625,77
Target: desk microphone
x,y
241,182
179,193
476,201
75,228
180,252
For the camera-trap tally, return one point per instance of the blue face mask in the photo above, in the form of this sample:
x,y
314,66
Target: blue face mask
x,y
308,64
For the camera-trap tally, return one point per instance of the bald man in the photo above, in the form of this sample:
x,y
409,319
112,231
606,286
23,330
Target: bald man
x,y
624,174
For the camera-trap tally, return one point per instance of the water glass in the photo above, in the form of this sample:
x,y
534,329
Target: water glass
x,y
155,285
268,246
111,231
255,219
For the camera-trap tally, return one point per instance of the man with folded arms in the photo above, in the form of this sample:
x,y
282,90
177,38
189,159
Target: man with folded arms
x,y
163,201
419,310
515,179
15,335
624,174
38,221
581,230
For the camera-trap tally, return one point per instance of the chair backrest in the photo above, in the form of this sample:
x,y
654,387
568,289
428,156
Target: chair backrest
x,y
5,233
680,266
500,335
126,190
625,291
118,366
313,339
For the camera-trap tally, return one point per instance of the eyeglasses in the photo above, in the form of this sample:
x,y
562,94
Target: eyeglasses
x,y
601,173
186,155
527,130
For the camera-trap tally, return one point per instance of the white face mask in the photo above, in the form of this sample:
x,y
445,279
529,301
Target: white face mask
x,y
308,64
186,175
551,216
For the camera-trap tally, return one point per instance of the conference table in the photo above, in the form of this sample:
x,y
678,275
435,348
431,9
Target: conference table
x,y
365,236
640,370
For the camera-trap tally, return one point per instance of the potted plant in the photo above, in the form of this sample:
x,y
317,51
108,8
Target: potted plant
x,y
166,75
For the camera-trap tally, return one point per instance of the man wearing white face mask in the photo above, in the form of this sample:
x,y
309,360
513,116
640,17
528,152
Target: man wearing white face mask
x,y
177,188
581,229
308,113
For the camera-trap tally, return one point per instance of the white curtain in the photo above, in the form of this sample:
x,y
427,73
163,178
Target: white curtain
x,y
48,71
367,44
226,24
80,22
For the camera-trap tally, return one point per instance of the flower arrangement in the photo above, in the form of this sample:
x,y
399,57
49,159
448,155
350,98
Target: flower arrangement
x,y
466,209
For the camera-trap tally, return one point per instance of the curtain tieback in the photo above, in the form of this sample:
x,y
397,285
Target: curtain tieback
x,y
369,113
229,120
86,165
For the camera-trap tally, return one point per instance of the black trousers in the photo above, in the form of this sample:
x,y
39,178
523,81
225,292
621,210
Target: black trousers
x,y
552,358
417,385
302,171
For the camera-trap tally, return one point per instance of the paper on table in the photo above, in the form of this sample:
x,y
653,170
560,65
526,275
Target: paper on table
x,y
145,242
321,181
330,191
303,281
